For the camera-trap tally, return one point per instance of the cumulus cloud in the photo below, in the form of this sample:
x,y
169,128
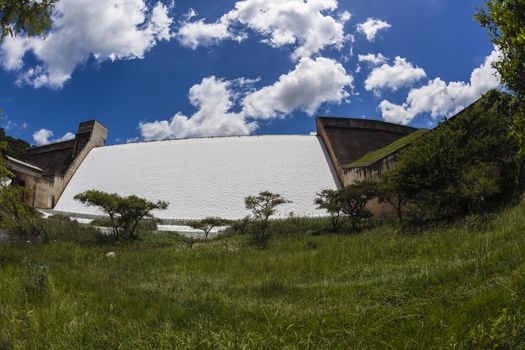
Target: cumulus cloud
x,y
41,137
309,26
439,98
103,29
213,99
311,84
395,76
372,27
373,60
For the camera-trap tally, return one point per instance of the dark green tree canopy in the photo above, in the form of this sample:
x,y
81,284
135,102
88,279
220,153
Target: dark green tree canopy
x,y
30,17
505,23
466,162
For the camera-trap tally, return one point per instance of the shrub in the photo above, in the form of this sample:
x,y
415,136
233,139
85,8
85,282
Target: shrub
x,y
144,225
263,206
354,198
125,213
468,164
208,224
15,215
330,200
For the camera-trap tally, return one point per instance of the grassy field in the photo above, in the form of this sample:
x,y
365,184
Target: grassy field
x,y
462,287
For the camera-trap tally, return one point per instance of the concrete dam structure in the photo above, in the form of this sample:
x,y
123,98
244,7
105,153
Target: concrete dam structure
x,y
203,176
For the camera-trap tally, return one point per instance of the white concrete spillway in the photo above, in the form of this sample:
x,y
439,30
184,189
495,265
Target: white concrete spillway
x,y
207,176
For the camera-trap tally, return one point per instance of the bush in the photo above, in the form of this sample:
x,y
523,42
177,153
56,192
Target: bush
x,y
15,215
144,225
63,230
125,213
263,206
466,165
206,225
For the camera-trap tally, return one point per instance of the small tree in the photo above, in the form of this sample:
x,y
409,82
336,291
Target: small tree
x,y
207,224
263,206
132,210
107,202
125,213
391,191
330,200
15,213
355,197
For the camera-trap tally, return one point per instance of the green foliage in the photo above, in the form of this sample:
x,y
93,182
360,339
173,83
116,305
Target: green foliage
x,y
263,206
14,147
36,282
62,228
330,201
354,198
146,224
391,189
25,16
208,224
505,23
125,213
467,164
375,290
15,214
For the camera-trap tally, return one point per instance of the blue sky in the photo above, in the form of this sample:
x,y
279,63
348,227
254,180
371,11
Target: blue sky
x,y
249,78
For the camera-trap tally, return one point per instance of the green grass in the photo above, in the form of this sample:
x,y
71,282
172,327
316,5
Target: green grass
x,y
372,157
461,287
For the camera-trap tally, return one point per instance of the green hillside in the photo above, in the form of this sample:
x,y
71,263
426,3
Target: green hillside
x,y
461,287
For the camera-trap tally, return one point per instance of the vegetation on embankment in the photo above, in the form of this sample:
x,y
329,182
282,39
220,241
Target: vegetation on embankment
x,y
457,287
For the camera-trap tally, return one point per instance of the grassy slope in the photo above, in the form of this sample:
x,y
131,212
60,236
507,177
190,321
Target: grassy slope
x,y
372,290
372,157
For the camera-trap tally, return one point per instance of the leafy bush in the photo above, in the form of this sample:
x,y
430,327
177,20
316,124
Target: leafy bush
x,y
330,201
263,206
15,215
208,224
144,225
466,165
125,213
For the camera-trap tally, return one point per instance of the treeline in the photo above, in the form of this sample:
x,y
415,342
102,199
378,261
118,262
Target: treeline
x,y
467,165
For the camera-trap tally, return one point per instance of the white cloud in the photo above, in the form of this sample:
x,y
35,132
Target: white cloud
x,y
213,100
41,137
373,60
400,74
372,27
103,29
439,98
306,25
311,84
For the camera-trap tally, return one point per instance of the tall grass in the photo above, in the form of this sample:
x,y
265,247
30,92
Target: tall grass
x,y
460,287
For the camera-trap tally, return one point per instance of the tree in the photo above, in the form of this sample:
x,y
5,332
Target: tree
x,y
263,206
207,224
13,208
391,190
330,200
25,16
355,197
125,213
505,23
132,210
434,173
